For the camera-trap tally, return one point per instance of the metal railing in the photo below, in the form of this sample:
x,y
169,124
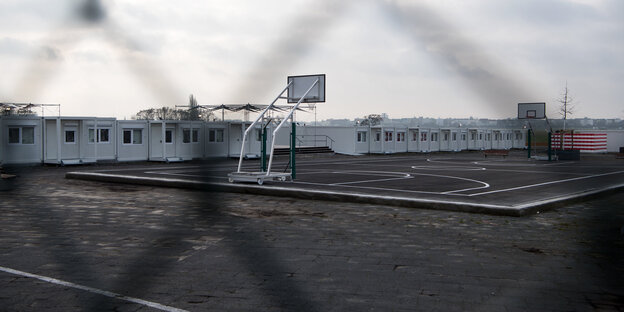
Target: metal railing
x,y
315,140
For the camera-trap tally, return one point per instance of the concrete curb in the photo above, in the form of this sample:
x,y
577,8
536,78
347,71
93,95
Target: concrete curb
x,y
269,190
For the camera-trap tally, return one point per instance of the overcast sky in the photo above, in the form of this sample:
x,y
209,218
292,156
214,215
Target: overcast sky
x,y
443,58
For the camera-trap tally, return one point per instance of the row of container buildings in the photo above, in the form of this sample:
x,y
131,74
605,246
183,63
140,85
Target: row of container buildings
x,y
75,140
401,139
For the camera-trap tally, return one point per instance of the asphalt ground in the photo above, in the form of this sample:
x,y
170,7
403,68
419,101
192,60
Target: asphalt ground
x,y
73,245
466,181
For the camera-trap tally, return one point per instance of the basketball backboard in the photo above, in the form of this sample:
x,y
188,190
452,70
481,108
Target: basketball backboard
x,y
301,84
531,110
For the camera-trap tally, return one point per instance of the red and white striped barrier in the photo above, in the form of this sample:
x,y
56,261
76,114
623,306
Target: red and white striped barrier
x,y
594,142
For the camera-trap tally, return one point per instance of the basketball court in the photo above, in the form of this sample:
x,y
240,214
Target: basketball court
x,y
517,184
466,181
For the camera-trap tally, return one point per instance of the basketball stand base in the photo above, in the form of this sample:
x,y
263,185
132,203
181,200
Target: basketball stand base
x,y
257,177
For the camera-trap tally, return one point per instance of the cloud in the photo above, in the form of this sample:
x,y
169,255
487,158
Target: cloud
x,y
14,47
382,54
30,16
298,37
480,71
50,54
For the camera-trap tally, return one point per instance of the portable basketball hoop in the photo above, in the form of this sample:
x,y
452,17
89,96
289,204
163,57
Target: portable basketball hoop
x,y
531,111
300,89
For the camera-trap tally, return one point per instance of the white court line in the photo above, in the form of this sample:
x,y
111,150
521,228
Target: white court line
x,y
539,172
446,168
402,175
368,181
374,173
410,176
449,161
345,184
501,163
547,183
495,163
485,185
93,290
483,163
466,168
375,188
399,165
225,178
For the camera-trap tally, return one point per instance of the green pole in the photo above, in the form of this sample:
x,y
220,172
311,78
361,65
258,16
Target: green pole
x,y
529,143
549,146
263,149
293,138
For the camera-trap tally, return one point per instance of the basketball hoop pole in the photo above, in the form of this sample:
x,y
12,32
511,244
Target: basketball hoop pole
x,y
242,153
284,121
530,111
549,138
529,142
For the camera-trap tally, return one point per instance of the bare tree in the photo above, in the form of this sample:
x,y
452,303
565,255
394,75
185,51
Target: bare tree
x,y
371,120
567,106
163,113
168,113
146,114
207,116
193,108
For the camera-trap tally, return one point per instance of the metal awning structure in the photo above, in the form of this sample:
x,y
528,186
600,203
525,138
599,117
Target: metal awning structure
x,y
246,108
249,107
25,108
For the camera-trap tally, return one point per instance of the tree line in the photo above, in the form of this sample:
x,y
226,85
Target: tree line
x,y
193,112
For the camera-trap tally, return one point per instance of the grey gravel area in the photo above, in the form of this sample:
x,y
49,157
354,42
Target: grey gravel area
x,y
202,251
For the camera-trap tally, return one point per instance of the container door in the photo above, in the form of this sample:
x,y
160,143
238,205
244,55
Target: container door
x,y
156,141
236,137
170,142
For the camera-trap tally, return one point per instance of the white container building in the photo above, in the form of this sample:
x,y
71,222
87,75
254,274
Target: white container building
x,y
253,142
343,140
133,143
389,139
519,139
21,140
434,142
363,140
217,142
76,140
175,140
